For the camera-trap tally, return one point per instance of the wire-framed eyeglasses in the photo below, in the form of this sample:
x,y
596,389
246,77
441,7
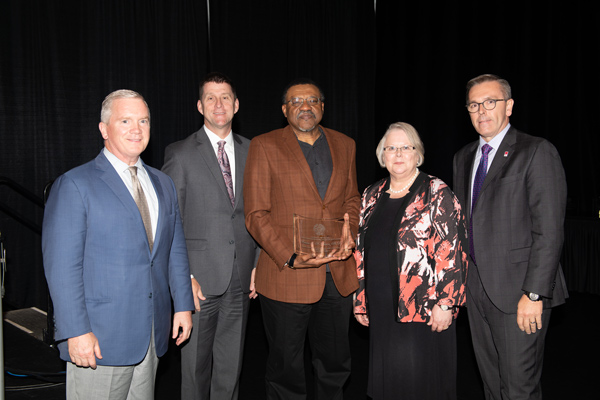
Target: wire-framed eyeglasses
x,y
298,101
402,149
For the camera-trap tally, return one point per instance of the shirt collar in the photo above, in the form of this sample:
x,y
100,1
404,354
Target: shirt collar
x,y
496,140
215,139
120,165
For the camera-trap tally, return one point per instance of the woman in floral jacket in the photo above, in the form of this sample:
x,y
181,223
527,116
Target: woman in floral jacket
x,y
412,265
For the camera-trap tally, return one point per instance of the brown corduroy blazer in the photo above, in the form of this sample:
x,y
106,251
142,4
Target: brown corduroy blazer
x,y
278,182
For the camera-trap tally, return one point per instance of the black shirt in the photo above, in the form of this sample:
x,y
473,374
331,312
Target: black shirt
x,y
318,158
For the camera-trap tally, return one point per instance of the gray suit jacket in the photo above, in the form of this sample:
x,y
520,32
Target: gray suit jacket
x,y
215,233
518,223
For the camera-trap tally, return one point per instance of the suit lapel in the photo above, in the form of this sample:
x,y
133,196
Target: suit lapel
x,y
470,161
503,155
115,183
240,161
207,153
162,208
337,153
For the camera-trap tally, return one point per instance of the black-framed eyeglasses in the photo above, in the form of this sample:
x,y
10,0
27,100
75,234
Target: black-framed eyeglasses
x,y
298,101
402,149
488,104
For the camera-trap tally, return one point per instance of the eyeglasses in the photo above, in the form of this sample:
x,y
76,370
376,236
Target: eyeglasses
x,y
488,104
403,149
298,101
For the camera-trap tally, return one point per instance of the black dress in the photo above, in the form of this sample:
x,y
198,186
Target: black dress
x,y
406,360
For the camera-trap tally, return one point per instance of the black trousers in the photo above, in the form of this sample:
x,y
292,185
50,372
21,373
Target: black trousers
x,y
326,323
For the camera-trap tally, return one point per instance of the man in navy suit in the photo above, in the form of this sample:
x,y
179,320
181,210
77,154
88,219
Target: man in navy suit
x,y
516,236
112,272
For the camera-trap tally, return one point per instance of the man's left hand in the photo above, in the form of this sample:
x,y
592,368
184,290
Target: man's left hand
x,y
253,293
529,315
347,242
183,320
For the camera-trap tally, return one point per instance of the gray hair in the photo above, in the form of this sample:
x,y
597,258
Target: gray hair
x,y
504,85
413,137
106,110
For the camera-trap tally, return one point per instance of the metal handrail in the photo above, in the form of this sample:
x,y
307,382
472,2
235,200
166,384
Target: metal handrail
x,y
35,227
38,201
11,212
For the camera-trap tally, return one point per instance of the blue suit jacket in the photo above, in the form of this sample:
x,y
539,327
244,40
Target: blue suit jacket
x,y
100,272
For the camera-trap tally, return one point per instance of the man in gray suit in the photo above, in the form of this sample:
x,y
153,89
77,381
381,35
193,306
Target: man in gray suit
x,y
208,170
514,190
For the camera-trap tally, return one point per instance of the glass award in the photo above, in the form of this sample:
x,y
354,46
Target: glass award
x,y
320,235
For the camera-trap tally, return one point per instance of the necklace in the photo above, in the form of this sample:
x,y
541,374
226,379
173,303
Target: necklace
x,y
407,185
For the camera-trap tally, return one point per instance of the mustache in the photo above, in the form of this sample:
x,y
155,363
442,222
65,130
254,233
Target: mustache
x,y
306,112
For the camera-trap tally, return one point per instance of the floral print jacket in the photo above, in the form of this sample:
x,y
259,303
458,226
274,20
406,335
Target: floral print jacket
x,y
431,249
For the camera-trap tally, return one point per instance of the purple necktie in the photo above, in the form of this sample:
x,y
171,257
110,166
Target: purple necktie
x,y
226,170
477,184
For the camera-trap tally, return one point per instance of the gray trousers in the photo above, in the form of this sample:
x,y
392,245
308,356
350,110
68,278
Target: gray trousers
x,y
134,382
509,360
211,361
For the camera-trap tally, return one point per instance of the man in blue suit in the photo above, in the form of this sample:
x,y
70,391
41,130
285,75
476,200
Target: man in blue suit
x,y
114,256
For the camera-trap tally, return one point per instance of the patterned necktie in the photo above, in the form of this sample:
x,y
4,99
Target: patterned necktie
x,y
477,184
140,200
226,170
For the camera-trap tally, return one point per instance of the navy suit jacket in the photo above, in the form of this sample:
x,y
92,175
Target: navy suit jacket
x,y
100,271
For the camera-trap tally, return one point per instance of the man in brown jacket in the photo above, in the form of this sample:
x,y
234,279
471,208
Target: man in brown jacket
x,y
308,170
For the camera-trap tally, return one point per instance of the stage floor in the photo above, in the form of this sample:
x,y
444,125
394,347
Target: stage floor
x,y
571,347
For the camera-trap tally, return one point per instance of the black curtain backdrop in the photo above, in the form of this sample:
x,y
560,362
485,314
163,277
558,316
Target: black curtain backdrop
x,y
547,51
400,62
59,59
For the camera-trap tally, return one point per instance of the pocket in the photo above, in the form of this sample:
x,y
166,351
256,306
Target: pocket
x,y
97,300
510,179
520,255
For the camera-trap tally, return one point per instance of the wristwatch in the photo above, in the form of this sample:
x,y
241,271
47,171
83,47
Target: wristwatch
x,y
290,263
533,296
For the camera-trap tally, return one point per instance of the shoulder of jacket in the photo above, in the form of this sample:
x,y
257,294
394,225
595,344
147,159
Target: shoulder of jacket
x,y
338,135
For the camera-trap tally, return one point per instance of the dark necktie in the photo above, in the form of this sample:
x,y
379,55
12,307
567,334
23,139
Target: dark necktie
x,y
140,200
477,184
226,170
